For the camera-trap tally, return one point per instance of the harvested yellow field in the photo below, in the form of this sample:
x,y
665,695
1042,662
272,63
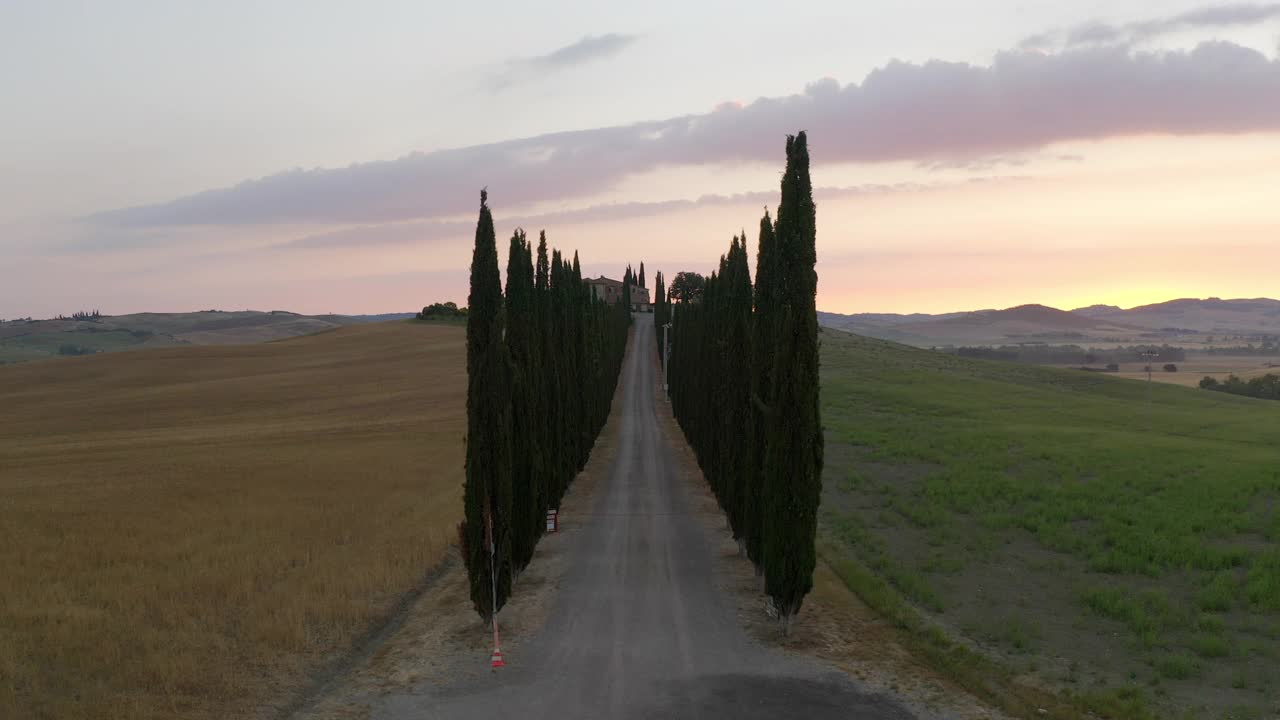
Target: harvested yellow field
x,y
1194,369
192,531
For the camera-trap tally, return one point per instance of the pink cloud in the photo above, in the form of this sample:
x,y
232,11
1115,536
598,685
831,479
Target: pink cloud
x,y
928,112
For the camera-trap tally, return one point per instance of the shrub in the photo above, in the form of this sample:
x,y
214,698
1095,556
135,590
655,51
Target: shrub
x,y
1176,667
1262,584
1210,646
1218,595
1266,387
70,349
1145,614
438,311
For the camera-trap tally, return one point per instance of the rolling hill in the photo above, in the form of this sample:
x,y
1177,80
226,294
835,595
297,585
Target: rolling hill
x,y
1187,320
1025,322
1256,316
37,339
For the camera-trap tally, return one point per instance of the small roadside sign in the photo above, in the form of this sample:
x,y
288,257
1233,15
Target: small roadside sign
x,y
553,521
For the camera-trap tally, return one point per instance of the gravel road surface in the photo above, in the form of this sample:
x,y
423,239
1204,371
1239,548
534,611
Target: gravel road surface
x,y
639,628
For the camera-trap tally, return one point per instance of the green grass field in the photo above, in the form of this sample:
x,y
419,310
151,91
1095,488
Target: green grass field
x,y
1083,534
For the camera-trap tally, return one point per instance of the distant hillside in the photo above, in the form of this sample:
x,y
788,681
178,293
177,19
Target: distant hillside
x,y
38,339
1186,321
1255,316
879,325
384,317
1025,323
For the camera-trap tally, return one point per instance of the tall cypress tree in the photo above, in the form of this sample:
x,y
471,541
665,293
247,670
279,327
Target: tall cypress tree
x,y
548,423
640,283
487,487
661,316
737,421
793,456
566,447
581,403
525,410
626,289
762,358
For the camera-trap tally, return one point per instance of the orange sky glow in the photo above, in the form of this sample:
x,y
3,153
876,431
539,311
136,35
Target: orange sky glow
x,y
1126,221
1053,153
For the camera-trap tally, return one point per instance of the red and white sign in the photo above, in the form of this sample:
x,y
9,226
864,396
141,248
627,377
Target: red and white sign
x,y
553,521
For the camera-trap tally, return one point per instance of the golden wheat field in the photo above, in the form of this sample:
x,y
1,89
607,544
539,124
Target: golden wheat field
x,y
190,532
1193,370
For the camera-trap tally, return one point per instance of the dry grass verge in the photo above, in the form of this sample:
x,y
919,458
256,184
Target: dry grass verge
x,y
189,532
441,640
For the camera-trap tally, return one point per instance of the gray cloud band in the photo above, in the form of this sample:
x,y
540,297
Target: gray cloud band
x,y
1221,16
588,49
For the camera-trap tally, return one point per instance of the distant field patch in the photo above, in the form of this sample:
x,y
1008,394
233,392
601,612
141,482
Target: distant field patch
x,y
184,532
1085,535
1195,368
21,341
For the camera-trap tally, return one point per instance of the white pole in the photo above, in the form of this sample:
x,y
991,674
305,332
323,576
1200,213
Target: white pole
x,y
493,576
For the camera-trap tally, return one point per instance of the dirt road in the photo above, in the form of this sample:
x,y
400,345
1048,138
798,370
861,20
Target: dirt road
x,y
639,628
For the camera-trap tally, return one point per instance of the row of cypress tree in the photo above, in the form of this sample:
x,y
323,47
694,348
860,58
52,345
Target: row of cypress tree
x,y
542,365
744,387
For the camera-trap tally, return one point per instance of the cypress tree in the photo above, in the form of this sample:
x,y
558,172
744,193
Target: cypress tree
x,y
626,289
487,487
525,411
581,378
793,456
640,283
737,420
564,373
762,357
548,422
661,316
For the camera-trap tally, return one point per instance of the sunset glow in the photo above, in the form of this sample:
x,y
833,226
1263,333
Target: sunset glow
x,y
933,196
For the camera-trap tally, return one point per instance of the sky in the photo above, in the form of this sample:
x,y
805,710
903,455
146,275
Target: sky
x,y
323,156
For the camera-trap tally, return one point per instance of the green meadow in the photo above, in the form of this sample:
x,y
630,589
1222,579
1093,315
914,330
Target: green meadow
x,y
1088,533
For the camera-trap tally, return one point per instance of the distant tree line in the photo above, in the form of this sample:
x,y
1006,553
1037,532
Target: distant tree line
x,y
1266,346
744,387
542,365
1266,387
1069,354
81,315
441,311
